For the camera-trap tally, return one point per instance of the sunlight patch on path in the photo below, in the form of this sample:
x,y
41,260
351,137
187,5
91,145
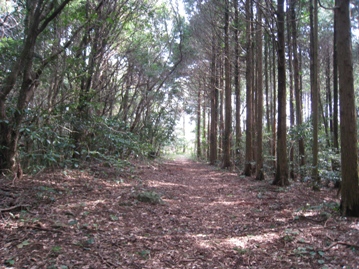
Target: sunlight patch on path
x,y
251,240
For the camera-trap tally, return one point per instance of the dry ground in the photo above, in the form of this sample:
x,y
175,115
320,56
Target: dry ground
x,y
170,214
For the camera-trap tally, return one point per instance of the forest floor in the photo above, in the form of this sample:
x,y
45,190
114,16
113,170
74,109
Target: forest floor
x,y
170,214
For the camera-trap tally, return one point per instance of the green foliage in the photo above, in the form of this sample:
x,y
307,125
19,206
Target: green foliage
x,y
9,50
329,160
50,144
56,249
329,165
23,244
301,131
151,197
241,251
10,262
110,138
47,141
145,254
77,111
44,145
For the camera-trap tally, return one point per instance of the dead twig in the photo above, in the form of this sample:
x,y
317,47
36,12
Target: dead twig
x,y
12,208
341,243
41,228
325,224
105,261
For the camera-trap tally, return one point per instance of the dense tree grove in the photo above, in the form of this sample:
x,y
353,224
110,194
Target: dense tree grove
x,y
85,80
284,79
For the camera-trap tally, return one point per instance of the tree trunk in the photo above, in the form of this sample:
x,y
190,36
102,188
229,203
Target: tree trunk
x,y
274,104
325,122
291,91
335,85
208,138
23,66
249,67
259,50
198,124
281,177
314,83
329,107
184,132
214,106
204,129
226,163
91,60
10,127
237,79
349,155
266,75
221,106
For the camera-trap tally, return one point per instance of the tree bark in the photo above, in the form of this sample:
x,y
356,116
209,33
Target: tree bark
x,y
335,85
267,79
314,84
204,133
237,78
249,75
259,50
329,99
297,86
23,66
228,93
281,176
221,105
198,133
291,90
349,152
214,106
274,103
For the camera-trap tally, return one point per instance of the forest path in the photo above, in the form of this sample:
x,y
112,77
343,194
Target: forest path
x,y
216,219
208,218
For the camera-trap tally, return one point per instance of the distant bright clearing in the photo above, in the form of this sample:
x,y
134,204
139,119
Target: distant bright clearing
x,y
175,4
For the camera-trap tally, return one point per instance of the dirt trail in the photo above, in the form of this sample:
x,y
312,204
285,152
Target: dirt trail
x,y
208,218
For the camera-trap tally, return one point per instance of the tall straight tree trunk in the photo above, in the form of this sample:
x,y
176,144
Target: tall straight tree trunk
x,y
208,137
349,151
272,93
259,53
298,84
314,84
335,85
199,150
184,133
329,107
228,93
281,176
237,77
267,79
204,126
221,107
325,122
249,90
214,106
274,104
291,90
254,89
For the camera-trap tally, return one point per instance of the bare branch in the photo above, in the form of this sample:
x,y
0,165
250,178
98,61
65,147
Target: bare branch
x,y
53,15
327,8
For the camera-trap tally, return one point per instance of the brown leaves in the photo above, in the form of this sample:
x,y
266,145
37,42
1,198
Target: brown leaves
x,y
208,219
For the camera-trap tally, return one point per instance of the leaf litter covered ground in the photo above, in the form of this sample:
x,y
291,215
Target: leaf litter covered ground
x,y
170,214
